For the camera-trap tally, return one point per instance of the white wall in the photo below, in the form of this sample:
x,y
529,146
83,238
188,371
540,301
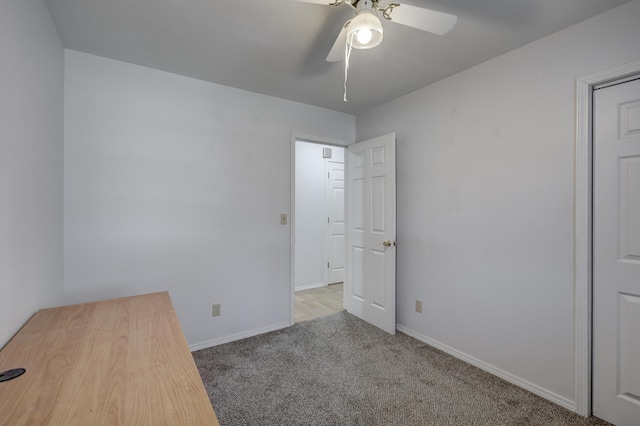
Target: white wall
x,y
31,155
177,184
311,214
485,201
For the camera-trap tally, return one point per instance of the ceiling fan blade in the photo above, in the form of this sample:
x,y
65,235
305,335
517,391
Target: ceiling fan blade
x,y
336,54
423,19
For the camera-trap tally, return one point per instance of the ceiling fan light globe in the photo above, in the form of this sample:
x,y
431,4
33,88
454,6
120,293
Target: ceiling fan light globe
x,y
365,31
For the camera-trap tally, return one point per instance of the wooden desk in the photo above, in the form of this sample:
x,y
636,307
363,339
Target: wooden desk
x,y
115,362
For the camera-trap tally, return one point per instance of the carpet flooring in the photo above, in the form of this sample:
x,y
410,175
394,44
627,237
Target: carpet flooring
x,y
339,370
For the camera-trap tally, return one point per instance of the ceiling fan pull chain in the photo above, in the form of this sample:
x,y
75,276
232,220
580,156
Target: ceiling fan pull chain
x,y
347,55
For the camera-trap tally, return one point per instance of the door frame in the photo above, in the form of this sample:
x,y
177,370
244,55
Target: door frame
x,y
292,216
583,236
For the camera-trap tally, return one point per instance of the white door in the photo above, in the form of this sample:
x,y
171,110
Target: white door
x,y
370,291
616,254
335,222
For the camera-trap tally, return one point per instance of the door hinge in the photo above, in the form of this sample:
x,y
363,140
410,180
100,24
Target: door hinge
x,y
328,220
327,265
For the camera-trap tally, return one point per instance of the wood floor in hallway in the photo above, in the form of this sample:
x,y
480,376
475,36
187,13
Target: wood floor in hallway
x,y
318,302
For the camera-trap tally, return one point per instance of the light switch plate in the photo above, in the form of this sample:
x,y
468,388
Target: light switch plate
x,y
215,311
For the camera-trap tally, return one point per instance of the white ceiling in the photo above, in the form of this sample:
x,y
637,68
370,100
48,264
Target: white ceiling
x,y
278,47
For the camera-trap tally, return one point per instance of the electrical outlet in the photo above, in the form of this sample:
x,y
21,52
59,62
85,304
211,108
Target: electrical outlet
x,y
419,306
215,312
283,219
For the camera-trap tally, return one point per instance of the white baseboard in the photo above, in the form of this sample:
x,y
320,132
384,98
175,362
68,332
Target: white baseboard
x,y
310,286
234,337
553,397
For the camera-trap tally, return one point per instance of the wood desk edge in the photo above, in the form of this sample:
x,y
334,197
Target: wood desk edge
x,y
35,344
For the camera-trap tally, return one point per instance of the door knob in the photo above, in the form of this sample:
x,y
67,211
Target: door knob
x,y
388,243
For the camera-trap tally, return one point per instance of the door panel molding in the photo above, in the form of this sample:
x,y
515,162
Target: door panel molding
x,y
583,223
370,287
616,279
336,207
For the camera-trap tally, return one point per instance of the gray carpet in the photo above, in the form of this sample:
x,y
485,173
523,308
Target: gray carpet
x,y
339,370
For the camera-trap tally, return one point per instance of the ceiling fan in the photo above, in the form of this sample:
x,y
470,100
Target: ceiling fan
x,y
364,31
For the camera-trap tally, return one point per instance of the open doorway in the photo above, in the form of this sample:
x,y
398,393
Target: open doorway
x,y
318,227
